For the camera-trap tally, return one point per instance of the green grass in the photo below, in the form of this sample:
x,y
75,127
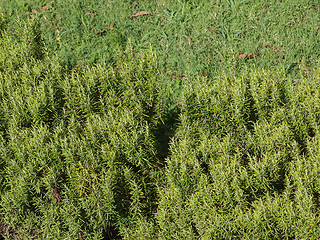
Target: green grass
x,y
218,32
154,128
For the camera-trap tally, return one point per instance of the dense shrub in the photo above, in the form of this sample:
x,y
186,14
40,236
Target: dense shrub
x,y
244,161
81,151
77,149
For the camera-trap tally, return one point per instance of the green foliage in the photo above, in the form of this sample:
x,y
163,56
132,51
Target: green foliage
x,y
241,161
3,21
77,149
119,149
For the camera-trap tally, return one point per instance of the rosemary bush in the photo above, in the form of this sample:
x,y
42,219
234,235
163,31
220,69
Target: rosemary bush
x,y
244,161
77,148
83,152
